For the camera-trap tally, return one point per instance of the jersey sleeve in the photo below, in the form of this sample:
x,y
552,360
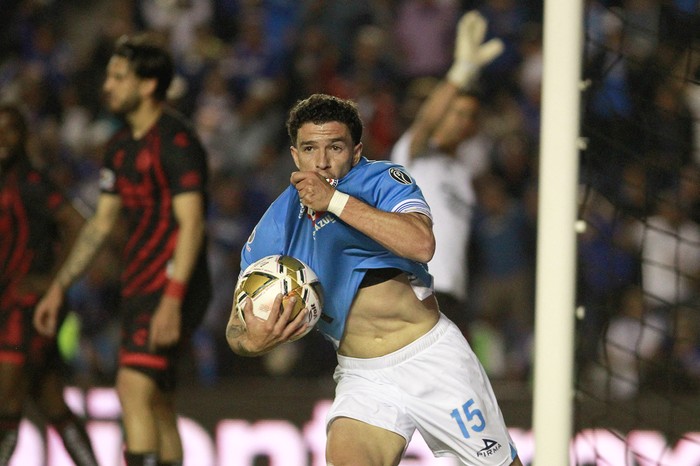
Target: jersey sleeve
x,y
267,238
395,190
184,161
107,175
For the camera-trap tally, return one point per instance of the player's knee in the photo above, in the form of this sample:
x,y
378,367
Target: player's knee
x,y
351,442
135,390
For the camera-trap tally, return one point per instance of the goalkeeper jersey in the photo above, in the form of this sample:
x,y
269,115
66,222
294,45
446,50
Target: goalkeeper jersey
x,y
339,254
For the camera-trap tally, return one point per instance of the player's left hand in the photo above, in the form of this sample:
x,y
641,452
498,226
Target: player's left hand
x,y
165,324
314,190
46,312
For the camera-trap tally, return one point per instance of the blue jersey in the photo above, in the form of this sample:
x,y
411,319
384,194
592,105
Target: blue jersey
x,y
339,254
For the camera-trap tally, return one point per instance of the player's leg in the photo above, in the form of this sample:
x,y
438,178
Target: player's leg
x,y
170,443
141,376
459,416
352,442
170,452
46,387
149,419
48,394
366,424
136,392
15,332
13,390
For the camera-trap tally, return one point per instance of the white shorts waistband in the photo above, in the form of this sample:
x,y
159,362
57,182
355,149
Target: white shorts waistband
x,y
400,355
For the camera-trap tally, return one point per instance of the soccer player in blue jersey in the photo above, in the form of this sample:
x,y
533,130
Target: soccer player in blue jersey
x,y
364,227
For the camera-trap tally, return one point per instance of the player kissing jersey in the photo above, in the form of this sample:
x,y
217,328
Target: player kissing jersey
x,y
340,255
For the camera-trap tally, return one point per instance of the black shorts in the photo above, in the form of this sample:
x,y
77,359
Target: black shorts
x,y
22,345
137,312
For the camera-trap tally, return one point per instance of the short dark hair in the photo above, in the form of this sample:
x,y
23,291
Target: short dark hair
x,y
148,59
323,108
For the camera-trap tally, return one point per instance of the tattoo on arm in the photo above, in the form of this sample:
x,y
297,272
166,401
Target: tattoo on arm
x,y
234,332
86,246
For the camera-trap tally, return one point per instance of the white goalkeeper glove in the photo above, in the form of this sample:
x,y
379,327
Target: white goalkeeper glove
x,y
470,53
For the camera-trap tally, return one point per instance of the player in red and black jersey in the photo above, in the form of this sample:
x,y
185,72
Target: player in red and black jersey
x,y
155,175
37,227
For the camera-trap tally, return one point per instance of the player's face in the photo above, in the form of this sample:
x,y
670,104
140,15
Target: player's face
x,y
459,123
123,90
10,143
326,149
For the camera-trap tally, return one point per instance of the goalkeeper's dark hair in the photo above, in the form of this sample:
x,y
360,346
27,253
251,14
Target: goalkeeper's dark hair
x,y
149,60
324,108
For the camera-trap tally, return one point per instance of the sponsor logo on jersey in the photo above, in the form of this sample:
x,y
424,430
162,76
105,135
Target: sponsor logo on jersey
x,y
490,448
400,175
319,219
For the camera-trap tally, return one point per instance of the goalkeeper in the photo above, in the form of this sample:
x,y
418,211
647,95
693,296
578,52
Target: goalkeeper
x,y
365,229
432,151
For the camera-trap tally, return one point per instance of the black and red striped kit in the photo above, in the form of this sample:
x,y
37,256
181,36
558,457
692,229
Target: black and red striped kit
x,y
29,237
147,174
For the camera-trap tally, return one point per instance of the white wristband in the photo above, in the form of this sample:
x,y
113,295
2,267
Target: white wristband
x,y
337,203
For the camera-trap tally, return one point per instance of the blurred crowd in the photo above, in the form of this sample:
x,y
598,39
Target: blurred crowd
x,y
242,63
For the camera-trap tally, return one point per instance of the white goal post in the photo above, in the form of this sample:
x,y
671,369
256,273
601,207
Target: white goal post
x,y
556,241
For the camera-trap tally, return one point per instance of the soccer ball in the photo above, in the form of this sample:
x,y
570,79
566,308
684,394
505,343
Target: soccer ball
x,y
265,278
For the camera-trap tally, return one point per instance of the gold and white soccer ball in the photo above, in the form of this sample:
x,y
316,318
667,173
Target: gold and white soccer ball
x,y
265,278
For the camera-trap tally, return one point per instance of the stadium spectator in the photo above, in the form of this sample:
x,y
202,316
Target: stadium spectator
x,y
423,31
670,253
178,21
503,276
669,243
369,79
609,264
632,341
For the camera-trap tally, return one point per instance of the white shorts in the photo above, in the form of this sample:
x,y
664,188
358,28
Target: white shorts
x,y
436,385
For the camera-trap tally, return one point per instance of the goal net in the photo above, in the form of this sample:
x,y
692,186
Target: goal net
x,y
637,376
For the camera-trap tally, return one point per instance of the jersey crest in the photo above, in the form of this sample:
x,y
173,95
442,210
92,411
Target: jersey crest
x,y
400,175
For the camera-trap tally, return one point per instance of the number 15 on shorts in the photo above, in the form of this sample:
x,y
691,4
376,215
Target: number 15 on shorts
x,y
470,418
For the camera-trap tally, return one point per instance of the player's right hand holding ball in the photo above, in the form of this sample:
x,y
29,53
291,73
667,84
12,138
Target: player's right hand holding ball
x,y
253,336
